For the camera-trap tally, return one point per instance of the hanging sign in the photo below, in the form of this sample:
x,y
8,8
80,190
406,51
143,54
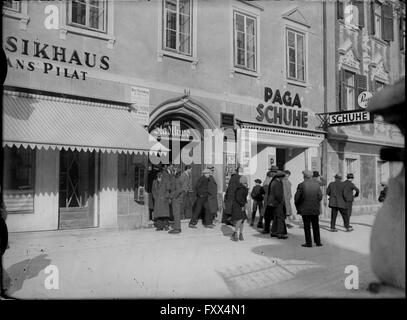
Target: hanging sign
x,y
348,118
140,100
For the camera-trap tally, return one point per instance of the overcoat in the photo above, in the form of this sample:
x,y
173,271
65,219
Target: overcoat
x,y
308,197
266,189
239,202
335,193
230,193
212,195
287,196
275,197
348,195
162,194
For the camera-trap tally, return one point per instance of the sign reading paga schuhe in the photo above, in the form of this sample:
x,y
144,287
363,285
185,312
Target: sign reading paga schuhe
x,y
278,113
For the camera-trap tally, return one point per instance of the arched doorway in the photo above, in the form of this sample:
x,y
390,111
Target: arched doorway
x,y
179,124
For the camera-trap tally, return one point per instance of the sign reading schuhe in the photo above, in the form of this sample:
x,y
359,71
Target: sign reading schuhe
x,y
45,56
283,110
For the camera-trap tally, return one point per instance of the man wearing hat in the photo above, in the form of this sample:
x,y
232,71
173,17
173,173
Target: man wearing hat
x,y
202,194
348,193
337,203
307,201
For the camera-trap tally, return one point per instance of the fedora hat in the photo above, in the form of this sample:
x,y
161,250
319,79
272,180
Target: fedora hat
x,y
307,173
338,176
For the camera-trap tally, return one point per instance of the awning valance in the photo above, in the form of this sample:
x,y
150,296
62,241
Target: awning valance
x,y
32,120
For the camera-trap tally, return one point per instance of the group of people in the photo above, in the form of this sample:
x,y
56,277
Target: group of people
x,y
173,197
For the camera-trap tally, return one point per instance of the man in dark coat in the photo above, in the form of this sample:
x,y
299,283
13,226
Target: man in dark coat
x,y
257,195
230,196
350,192
202,200
276,201
267,180
337,203
212,200
161,191
176,200
307,201
186,182
267,204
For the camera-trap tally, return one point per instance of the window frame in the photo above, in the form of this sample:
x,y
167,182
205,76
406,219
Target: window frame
x,y
21,14
344,86
235,49
32,177
66,27
378,32
305,56
13,2
177,30
87,17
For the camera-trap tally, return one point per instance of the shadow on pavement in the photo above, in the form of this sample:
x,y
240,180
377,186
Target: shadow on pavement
x,y
16,274
226,230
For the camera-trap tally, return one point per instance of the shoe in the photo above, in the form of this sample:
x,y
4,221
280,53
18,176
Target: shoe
x,y
289,226
349,229
252,224
234,237
333,230
174,231
319,244
260,225
166,228
241,237
192,226
210,226
306,245
273,235
229,223
159,229
282,236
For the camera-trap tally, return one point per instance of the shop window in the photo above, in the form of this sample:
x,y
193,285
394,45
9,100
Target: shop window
x,y
382,21
295,55
90,14
245,41
178,26
352,165
19,179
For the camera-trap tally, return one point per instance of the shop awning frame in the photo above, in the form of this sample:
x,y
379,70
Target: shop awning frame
x,y
47,122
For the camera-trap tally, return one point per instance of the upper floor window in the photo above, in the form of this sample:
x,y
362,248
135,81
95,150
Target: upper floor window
x,y
89,14
402,32
295,55
382,21
379,85
348,90
178,26
12,5
245,41
351,12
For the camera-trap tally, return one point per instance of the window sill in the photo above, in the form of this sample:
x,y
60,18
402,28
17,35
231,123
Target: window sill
x,y
249,73
19,16
193,60
90,33
297,83
381,41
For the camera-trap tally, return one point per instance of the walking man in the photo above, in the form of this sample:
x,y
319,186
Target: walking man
x,y
337,203
268,199
202,199
257,195
266,183
307,201
350,192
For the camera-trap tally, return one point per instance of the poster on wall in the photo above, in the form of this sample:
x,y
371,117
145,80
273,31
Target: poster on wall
x,y
140,100
229,168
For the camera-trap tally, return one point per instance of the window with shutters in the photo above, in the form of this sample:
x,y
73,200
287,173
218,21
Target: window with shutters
x,y
348,90
382,21
295,52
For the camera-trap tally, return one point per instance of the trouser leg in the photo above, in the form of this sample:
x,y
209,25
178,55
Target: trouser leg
x,y
307,229
198,207
208,218
345,217
177,205
267,219
260,204
315,229
254,210
334,213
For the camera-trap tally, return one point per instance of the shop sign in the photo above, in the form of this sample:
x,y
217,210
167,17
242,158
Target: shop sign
x,y
283,110
172,131
43,56
140,100
363,99
349,118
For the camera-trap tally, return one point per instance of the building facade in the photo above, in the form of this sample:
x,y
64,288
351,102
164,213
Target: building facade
x,y
368,47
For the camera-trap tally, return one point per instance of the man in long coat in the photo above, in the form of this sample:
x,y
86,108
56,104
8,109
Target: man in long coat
x,y
202,200
350,192
212,200
186,182
307,201
230,196
277,202
161,191
337,202
177,199
267,209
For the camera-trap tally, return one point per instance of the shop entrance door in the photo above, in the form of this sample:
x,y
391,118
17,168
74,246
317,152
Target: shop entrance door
x,y
76,189
281,158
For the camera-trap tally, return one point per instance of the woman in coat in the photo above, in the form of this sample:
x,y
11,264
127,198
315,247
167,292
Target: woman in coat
x,y
212,200
239,208
162,196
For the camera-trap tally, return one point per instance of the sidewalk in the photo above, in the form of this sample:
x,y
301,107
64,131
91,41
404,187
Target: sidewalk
x,y
198,263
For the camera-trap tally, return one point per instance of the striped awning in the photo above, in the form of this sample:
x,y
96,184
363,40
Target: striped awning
x,y
32,120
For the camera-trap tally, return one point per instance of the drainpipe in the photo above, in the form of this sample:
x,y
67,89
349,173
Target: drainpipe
x,y
325,142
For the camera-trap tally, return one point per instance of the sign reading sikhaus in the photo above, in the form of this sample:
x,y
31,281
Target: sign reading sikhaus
x,y
51,54
348,117
282,115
